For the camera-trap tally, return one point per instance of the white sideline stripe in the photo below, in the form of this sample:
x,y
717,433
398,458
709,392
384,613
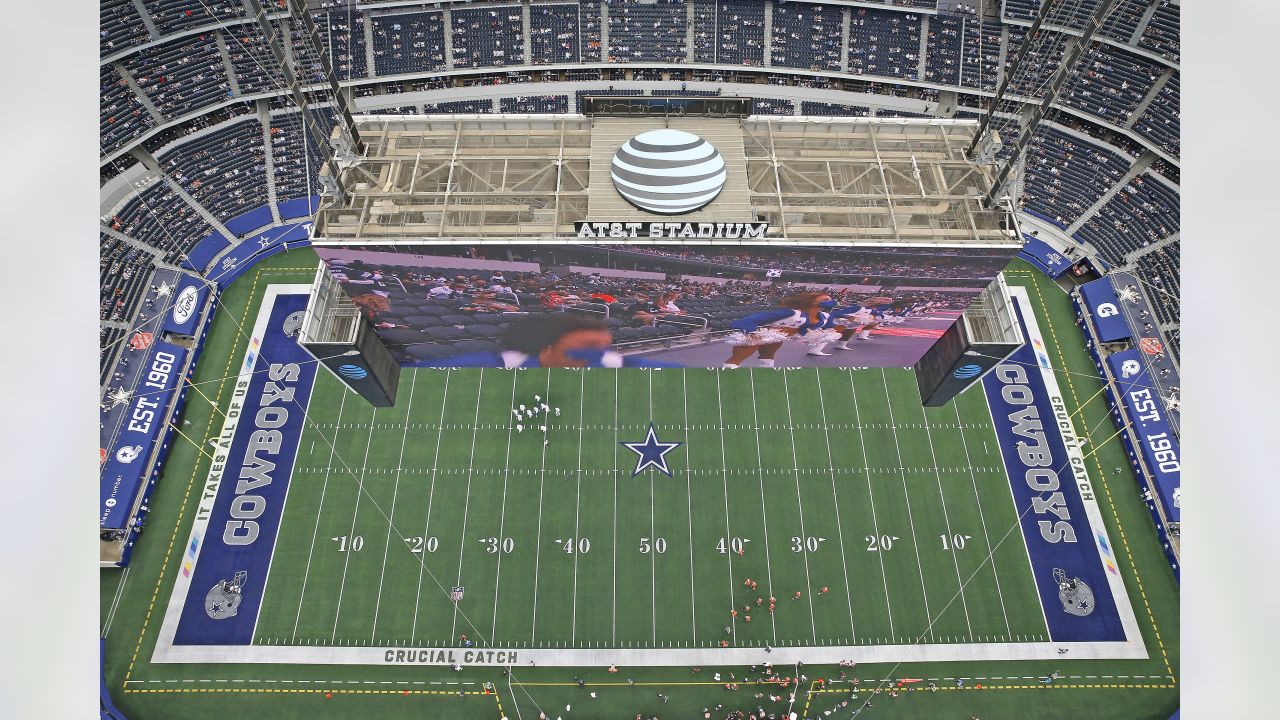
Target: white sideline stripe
x,y
213,481
659,657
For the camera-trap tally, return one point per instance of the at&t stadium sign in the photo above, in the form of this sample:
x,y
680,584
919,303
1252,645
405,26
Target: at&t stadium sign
x,y
668,230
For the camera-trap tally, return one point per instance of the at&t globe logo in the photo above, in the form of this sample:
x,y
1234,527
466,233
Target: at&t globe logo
x,y
964,372
353,372
668,171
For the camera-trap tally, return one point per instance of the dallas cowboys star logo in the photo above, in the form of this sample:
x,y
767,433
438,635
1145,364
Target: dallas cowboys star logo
x,y
265,241
652,452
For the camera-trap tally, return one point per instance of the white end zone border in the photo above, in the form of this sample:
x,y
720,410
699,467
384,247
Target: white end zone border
x,y
166,652
1072,441
204,510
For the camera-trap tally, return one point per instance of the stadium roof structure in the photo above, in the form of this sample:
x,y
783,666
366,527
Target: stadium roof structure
x,y
529,178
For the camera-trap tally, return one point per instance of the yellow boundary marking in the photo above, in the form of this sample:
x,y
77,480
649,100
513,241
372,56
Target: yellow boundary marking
x,y
1133,566
810,692
182,509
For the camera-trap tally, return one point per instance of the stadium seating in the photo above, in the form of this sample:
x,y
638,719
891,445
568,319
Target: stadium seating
x,y
739,33
883,42
1161,34
806,36
119,26
1143,212
592,49
183,74
835,110
295,156
170,16
553,34
1119,25
408,42
160,218
460,106
1160,268
488,36
647,31
1159,123
123,272
122,116
1065,175
225,170
535,104
772,106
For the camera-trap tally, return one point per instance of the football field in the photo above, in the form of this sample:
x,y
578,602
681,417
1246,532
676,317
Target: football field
x,y
565,560
866,517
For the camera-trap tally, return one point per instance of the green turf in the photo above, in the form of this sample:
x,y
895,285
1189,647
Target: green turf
x,y
613,593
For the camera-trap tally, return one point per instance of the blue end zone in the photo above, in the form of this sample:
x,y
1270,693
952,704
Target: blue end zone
x,y
254,483
1045,490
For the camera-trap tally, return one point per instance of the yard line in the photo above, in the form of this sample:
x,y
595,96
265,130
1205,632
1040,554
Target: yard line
x,y
804,553
355,514
728,534
431,496
693,603
835,503
577,500
875,524
764,511
946,519
328,468
653,562
907,496
377,605
985,538
537,556
466,504
502,516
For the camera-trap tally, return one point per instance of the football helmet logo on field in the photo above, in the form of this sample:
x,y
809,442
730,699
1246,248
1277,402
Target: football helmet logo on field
x,y
1075,595
223,599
